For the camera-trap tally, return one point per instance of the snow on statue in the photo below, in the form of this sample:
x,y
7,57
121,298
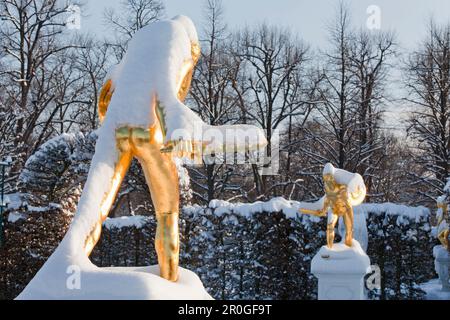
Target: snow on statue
x,y
343,190
142,116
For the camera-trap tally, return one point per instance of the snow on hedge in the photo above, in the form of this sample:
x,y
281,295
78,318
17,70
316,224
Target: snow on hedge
x,y
125,222
404,213
63,141
288,208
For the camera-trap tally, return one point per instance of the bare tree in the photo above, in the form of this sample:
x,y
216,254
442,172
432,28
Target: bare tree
x,y
428,81
32,34
392,183
370,61
272,60
92,60
133,15
337,115
347,129
213,98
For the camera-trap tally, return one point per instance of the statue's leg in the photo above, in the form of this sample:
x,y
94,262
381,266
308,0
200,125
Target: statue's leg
x,y
162,179
446,237
330,229
120,169
348,222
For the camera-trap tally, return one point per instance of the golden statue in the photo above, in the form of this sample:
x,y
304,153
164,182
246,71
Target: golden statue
x,y
141,109
442,225
343,190
142,116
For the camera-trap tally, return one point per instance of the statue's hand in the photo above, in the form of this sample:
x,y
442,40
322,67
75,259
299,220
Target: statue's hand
x,y
185,149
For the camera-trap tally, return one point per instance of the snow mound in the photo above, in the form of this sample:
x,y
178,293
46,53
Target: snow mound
x,y
118,283
13,217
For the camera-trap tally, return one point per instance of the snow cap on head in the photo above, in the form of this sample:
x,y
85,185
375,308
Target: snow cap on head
x,y
188,26
328,169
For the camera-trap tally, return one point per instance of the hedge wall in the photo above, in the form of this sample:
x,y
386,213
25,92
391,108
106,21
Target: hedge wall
x,y
256,251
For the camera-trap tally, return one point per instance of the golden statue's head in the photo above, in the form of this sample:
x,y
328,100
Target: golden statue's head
x,y
329,181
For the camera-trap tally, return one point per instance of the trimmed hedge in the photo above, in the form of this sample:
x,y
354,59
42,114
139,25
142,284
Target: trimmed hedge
x,y
237,254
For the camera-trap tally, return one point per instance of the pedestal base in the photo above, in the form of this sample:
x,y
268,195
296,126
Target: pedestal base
x,y
341,272
118,283
442,266
433,290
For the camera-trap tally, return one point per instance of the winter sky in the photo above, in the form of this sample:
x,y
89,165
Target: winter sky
x,y
308,18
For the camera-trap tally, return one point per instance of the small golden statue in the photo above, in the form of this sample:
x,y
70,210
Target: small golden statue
x,y
343,190
442,228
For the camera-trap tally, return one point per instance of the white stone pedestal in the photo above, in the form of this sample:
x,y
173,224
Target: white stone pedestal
x,y
442,265
341,272
433,290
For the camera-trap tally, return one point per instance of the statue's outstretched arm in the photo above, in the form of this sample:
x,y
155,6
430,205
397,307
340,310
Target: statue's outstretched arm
x,y
318,213
318,208
187,135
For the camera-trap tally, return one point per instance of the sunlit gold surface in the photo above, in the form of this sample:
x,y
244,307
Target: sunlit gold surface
x,y
186,71
146,144
162,178
443,235
337,199
195,52
105,97
185,77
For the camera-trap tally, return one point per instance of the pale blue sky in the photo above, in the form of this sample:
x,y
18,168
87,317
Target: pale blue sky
x,y
306,17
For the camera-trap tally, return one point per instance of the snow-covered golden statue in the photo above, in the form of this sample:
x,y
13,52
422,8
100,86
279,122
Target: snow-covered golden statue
x,y
141,104
442,228
343,190
143,116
